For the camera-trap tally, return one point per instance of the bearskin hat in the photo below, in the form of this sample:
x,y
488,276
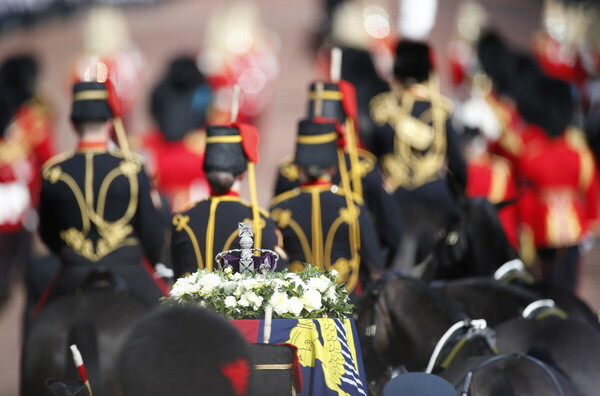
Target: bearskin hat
x,y
413,61
181,99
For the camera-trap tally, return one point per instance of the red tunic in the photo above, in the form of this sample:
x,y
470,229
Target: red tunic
x,y
26,145
490,176
559,198
176,167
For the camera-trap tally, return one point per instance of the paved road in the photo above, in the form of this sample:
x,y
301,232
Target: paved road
x,y
177,26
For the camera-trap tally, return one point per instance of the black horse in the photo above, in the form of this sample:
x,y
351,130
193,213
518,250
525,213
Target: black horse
x,y
468,242
97,322
487,298
497,302
569,345
401,322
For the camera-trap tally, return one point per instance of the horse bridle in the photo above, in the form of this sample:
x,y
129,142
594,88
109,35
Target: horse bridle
x,y
468,380
371,329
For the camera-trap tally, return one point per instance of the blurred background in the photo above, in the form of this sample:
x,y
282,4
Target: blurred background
x,y
270,47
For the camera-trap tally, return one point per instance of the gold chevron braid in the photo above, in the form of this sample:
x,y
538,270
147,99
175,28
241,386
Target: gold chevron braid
x,y
405,167
113,234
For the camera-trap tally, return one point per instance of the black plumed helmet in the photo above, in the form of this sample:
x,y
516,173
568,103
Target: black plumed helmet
x,y
224,151
90,102
316,144
413,61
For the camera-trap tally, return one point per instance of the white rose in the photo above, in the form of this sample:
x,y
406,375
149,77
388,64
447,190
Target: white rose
x,y
296,306
319,284
278,283
330,295
237,276
238,290
183,286
248,284
280,303
244,301
254,299
230,302
209,282
334,273
229,287
312,300
176,292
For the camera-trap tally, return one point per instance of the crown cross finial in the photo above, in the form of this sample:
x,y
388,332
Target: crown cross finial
x,y
246,243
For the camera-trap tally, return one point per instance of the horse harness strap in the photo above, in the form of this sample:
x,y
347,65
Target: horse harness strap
x,y
456,337
468,381
541,309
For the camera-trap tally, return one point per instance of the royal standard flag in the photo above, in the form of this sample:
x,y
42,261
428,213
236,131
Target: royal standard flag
x,y
328,352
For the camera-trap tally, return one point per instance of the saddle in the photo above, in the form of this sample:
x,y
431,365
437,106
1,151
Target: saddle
x,y
102,279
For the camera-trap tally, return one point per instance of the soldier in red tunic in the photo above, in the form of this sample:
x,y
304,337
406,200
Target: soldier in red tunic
x,y
558,206
488,175
175,150
25,144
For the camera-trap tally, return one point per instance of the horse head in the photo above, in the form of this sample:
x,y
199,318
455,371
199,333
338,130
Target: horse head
x,y
399,323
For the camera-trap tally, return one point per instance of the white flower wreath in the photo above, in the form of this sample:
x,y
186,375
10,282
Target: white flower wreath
x,y
313,293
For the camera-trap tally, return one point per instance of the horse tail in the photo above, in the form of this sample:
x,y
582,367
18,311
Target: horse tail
x,y
83,334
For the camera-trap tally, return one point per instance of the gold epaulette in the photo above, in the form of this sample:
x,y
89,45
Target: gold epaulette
x,y
288,169
365,154
285,196
367,161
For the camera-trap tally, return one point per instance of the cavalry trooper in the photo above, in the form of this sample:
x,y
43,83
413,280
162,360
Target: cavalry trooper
x,y
416,145
322,224
96,208
356,169
211,226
